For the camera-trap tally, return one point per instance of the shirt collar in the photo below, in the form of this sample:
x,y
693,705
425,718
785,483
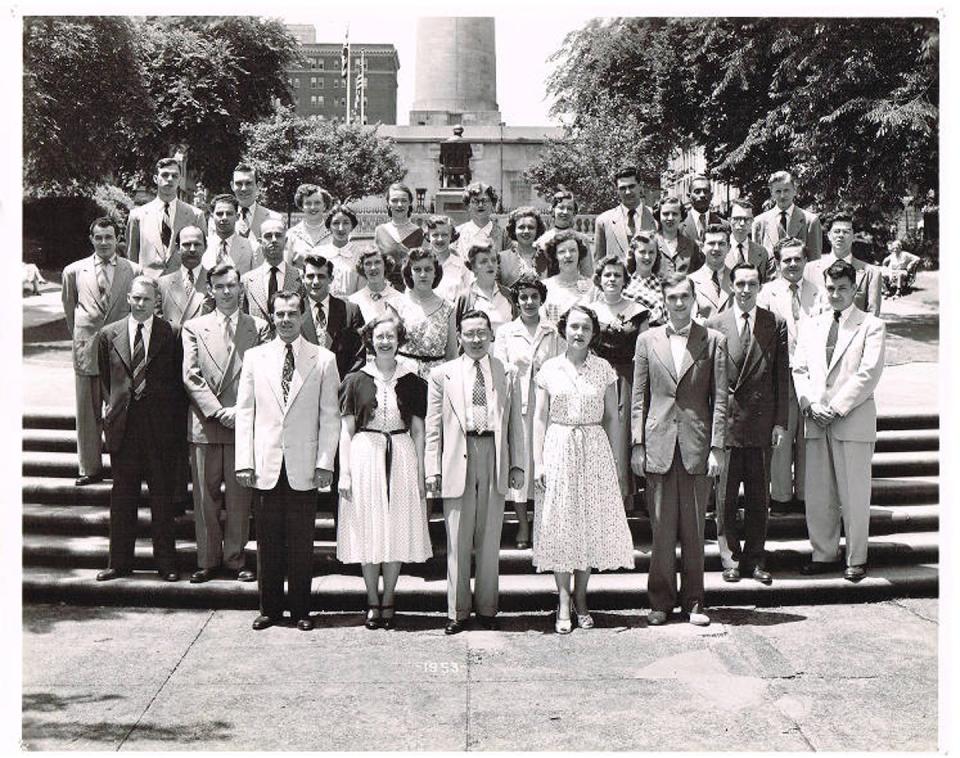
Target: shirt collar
x,y
281,268
789,210
752,312
232,318
111,261
295,344
845,313
147,325
685,332
484,362
196,271
325,303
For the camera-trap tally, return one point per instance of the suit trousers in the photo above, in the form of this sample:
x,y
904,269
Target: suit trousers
x,y
787,464
751,467
213,464
677,503
285,523
474,522
838,489
142,455
89,424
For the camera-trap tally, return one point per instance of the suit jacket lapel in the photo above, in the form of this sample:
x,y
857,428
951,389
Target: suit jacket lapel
x,y
695,344
304,365
119,285
762,335
309,328
258,292
455,392
195,300
661,348
157,337
121,343
620,232
273,365
152,219
845,336
729,325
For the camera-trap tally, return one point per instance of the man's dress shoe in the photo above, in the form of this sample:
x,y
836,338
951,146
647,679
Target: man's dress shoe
x,y
107,574
762,576
453,627
731,575
854,573
305,624
83,481
202,575
656,618
169,576
246,575
696,616
262,622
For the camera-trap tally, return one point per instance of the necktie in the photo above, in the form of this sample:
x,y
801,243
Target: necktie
x,y
243,227
321,317
703,226
223,252
832,336
715,278
783,224
795,300
743,258
139,364
272,284
103,283
746,336
479,400
631,222
193,282
287,376
228,331
166,226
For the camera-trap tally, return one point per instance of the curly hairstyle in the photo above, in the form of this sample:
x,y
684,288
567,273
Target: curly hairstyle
x,y
389,316
594,321
611,260
525,211
567,234
421,254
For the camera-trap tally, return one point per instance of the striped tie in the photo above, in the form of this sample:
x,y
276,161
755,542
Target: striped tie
x,y
166,226
287,376
103,284
139,365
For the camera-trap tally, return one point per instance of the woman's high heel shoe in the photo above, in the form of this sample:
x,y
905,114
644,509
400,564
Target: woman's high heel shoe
x,y
386,622
584,620
563,626
373,617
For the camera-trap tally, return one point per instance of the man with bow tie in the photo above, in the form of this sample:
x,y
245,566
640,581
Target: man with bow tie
x,y
785,219
287,427
94,293
836,367
679,422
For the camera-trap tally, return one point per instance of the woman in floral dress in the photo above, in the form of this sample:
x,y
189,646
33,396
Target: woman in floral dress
x,y
428,318
579,523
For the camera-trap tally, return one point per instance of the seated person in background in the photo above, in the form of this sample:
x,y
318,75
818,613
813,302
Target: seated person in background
x,y
898,270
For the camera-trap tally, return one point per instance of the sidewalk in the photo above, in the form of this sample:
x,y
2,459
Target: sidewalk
x,y
798,679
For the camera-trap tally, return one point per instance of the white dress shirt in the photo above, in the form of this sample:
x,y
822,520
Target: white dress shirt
x,y
132,333
209,259
185,276
678,346
752,320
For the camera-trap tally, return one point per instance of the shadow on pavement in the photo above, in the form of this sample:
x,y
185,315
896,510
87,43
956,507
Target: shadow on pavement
x,y
752,617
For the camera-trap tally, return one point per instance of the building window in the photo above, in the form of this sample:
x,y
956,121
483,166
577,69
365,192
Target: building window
x,y
319,99
320,63
336,83
320,83
313,83
313,99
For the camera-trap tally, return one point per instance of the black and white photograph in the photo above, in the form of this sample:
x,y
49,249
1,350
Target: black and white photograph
x,y
524,377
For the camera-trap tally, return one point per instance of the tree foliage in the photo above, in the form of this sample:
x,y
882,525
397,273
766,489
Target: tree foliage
x,y
349,161
849,105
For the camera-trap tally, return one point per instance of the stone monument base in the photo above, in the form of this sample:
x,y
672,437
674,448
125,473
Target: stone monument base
x,y
449,202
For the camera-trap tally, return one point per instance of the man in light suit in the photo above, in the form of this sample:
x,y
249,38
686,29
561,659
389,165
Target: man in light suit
x,y
152,229
742,248
225,244
699,217
785,219
474,452
287,428
330,321
679,421
836,367
868,288
615,228
94,293
711,282
213,348
794,299
250,214
140,360
758,374
274,274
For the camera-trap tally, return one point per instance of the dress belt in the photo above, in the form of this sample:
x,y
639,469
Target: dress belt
x,y
388,453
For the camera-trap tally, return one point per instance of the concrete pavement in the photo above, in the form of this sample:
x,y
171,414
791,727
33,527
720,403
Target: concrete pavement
x,y
801,678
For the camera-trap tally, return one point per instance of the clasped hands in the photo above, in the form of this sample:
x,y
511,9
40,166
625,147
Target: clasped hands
x,y
822,415
322,478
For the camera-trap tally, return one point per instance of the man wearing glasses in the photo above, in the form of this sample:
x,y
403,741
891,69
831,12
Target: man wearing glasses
x,y
742,248
480,200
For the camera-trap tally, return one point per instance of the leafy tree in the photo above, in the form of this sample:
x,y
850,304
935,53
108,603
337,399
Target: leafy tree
x,y
349,161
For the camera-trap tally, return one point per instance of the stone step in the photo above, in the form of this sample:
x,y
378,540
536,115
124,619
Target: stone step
x,y
92,552
80,520
54,465
520,592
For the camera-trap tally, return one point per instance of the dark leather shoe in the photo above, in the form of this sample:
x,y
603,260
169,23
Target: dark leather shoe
x,y
731,575
817,567
202,575
656,618
854,573
262,622
305,625
107,574
762,576
246,575
453,627
387,617
83,481
487,622
170,576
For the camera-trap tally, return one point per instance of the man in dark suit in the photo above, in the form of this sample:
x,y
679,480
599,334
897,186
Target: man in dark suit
x,y
742,248
213,350
758,373
140,360
329,321
699,217
679,421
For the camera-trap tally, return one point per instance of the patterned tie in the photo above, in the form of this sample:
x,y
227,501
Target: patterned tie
x,y
832,336
746,336
479,400
631,222
287,376
228,330
272,284
795,300
243,228
139,364
715,278
193,282
783,225
223,252
321,317
103,283
166,226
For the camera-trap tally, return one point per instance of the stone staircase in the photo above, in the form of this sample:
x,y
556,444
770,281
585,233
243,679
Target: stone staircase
x,y
65,543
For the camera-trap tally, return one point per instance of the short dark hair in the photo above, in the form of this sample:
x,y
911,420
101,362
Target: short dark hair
x,y
285,295
305,190
400,187
318,261
246,168
368,252
611,260
625,171
203,232
476,189
474,313
550,249
562,194
642,237
222,269
528,281
475,249
343,209
421,254
675,279
843,215
166,162
438,219
389,315
786,242
224,197
701,178
722,228
590,313
102,222
742,203
525,211
742,265
840,270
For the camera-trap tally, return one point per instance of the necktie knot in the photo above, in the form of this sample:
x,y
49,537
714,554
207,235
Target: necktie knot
x,y
794,287
190,276
837,315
